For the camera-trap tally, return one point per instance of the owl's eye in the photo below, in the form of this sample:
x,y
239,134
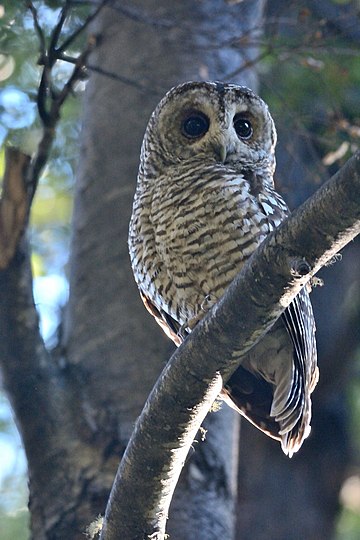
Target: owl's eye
x,y
242,127
195,125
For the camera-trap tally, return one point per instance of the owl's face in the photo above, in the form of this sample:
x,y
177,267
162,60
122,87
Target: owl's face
x,y
213,122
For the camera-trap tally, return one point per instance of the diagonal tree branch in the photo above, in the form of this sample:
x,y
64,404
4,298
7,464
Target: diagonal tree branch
x,y
192,379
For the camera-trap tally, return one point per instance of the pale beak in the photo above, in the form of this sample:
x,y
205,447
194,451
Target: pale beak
x,y
222,153
220,150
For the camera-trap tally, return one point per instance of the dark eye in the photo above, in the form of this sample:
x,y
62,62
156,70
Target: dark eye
x,y
242,127
195,125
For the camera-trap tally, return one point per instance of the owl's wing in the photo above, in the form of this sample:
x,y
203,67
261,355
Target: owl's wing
x,y
300,324
251,396
282,408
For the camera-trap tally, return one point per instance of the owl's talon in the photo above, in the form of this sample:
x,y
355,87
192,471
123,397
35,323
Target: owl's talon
x,y
207,303
188,326
183,331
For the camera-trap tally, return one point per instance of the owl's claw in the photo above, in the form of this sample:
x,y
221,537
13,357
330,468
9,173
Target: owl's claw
x,y
208,302
183,331
189,325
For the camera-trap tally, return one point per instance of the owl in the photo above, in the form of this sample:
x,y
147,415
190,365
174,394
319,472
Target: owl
x,y
205,200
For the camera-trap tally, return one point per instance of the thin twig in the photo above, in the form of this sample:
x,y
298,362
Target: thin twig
x,y
57,31
81,28
66,58
38,30
50,101
43,60
248,64
74,77
155,91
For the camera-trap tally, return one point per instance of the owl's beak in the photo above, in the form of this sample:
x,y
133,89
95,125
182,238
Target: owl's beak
x,y
221,152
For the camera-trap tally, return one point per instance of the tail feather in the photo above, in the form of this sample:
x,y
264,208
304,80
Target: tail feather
x,y
279,374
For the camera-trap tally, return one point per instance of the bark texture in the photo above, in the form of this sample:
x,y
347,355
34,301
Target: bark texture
x,y
112,346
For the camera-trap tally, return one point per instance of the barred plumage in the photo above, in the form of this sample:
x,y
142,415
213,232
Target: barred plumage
x,y
205,200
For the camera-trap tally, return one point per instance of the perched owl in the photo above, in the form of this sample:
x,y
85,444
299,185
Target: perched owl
x,y
205,200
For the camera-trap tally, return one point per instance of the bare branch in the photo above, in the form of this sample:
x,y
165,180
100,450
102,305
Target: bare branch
x,y
249,63
81,28
38,30
58,29
50,112
195,373
150,90
44,86
73,79
38,162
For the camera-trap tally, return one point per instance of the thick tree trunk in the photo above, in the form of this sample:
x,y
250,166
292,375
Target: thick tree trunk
x,y
114,351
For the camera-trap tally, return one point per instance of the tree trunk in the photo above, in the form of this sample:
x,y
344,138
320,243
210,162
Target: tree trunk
x,y
112,344
76,406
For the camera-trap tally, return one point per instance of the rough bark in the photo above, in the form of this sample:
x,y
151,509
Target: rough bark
x,y
58,461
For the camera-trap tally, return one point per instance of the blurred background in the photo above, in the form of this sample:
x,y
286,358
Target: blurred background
x,y
308,64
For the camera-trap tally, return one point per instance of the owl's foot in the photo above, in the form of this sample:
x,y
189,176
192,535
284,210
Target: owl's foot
x,y
208,302
188,326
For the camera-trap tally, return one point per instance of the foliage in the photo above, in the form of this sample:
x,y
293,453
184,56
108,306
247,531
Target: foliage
x,y
20,125
320,61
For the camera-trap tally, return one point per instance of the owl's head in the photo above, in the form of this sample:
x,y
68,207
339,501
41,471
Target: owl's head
x,y
213,122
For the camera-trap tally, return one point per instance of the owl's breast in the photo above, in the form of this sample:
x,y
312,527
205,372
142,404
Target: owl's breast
x,y
202,237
